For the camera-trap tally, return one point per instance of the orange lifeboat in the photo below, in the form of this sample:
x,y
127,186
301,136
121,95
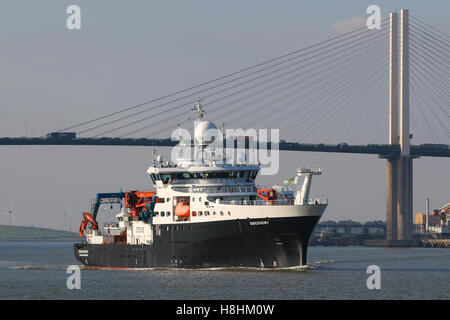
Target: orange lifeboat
x,y
183,210
267,194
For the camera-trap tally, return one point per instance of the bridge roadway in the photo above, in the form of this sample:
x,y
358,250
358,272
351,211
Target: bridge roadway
x,y
383,150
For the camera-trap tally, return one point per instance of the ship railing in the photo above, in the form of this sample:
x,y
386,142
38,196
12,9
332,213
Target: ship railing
x,y
318,201
282,188
182,189
283,202
241,189
279,202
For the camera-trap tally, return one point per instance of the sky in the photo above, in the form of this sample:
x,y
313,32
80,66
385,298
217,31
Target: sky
x,y
131,51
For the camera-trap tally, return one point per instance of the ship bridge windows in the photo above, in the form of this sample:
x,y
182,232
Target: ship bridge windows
x,y
249,175
252,175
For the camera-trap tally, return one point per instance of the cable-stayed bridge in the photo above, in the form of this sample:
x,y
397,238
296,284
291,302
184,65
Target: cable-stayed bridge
x,y
331,92
425,150
320,98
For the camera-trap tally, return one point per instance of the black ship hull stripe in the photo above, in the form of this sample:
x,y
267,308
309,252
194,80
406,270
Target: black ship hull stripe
x,y
269,243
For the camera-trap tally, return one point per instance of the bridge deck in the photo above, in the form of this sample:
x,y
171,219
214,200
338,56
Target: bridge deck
x,y
383,150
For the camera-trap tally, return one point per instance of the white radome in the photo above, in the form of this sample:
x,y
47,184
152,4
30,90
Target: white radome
x,y
205,132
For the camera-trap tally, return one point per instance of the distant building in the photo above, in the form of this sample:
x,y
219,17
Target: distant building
x,y
433,218
356,230
349,227
61,135
438,220
440,229
376,230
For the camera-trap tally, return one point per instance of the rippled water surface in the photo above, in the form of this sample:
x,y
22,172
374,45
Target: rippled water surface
x,y
38,271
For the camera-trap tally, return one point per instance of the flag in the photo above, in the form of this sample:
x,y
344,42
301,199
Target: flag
x,y
290,180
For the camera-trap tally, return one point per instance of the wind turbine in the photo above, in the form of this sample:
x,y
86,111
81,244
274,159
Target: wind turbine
x,y
10,213
64,222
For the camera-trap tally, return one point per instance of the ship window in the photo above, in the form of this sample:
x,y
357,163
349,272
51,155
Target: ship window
x,y
206,213
166,178
229,213
162,214
221,213
252,175
200,213
194,213
193,199
199,199
168,214
214,213
168,199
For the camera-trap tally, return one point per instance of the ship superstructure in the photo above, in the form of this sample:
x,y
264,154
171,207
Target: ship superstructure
x,y
203,213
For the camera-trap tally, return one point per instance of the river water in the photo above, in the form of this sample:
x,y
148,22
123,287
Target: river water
x,y
39,271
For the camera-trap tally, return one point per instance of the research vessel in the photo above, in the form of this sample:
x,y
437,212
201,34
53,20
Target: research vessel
x,y
203,214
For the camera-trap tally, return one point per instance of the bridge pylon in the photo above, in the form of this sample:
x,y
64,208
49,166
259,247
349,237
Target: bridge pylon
x,y
399,169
